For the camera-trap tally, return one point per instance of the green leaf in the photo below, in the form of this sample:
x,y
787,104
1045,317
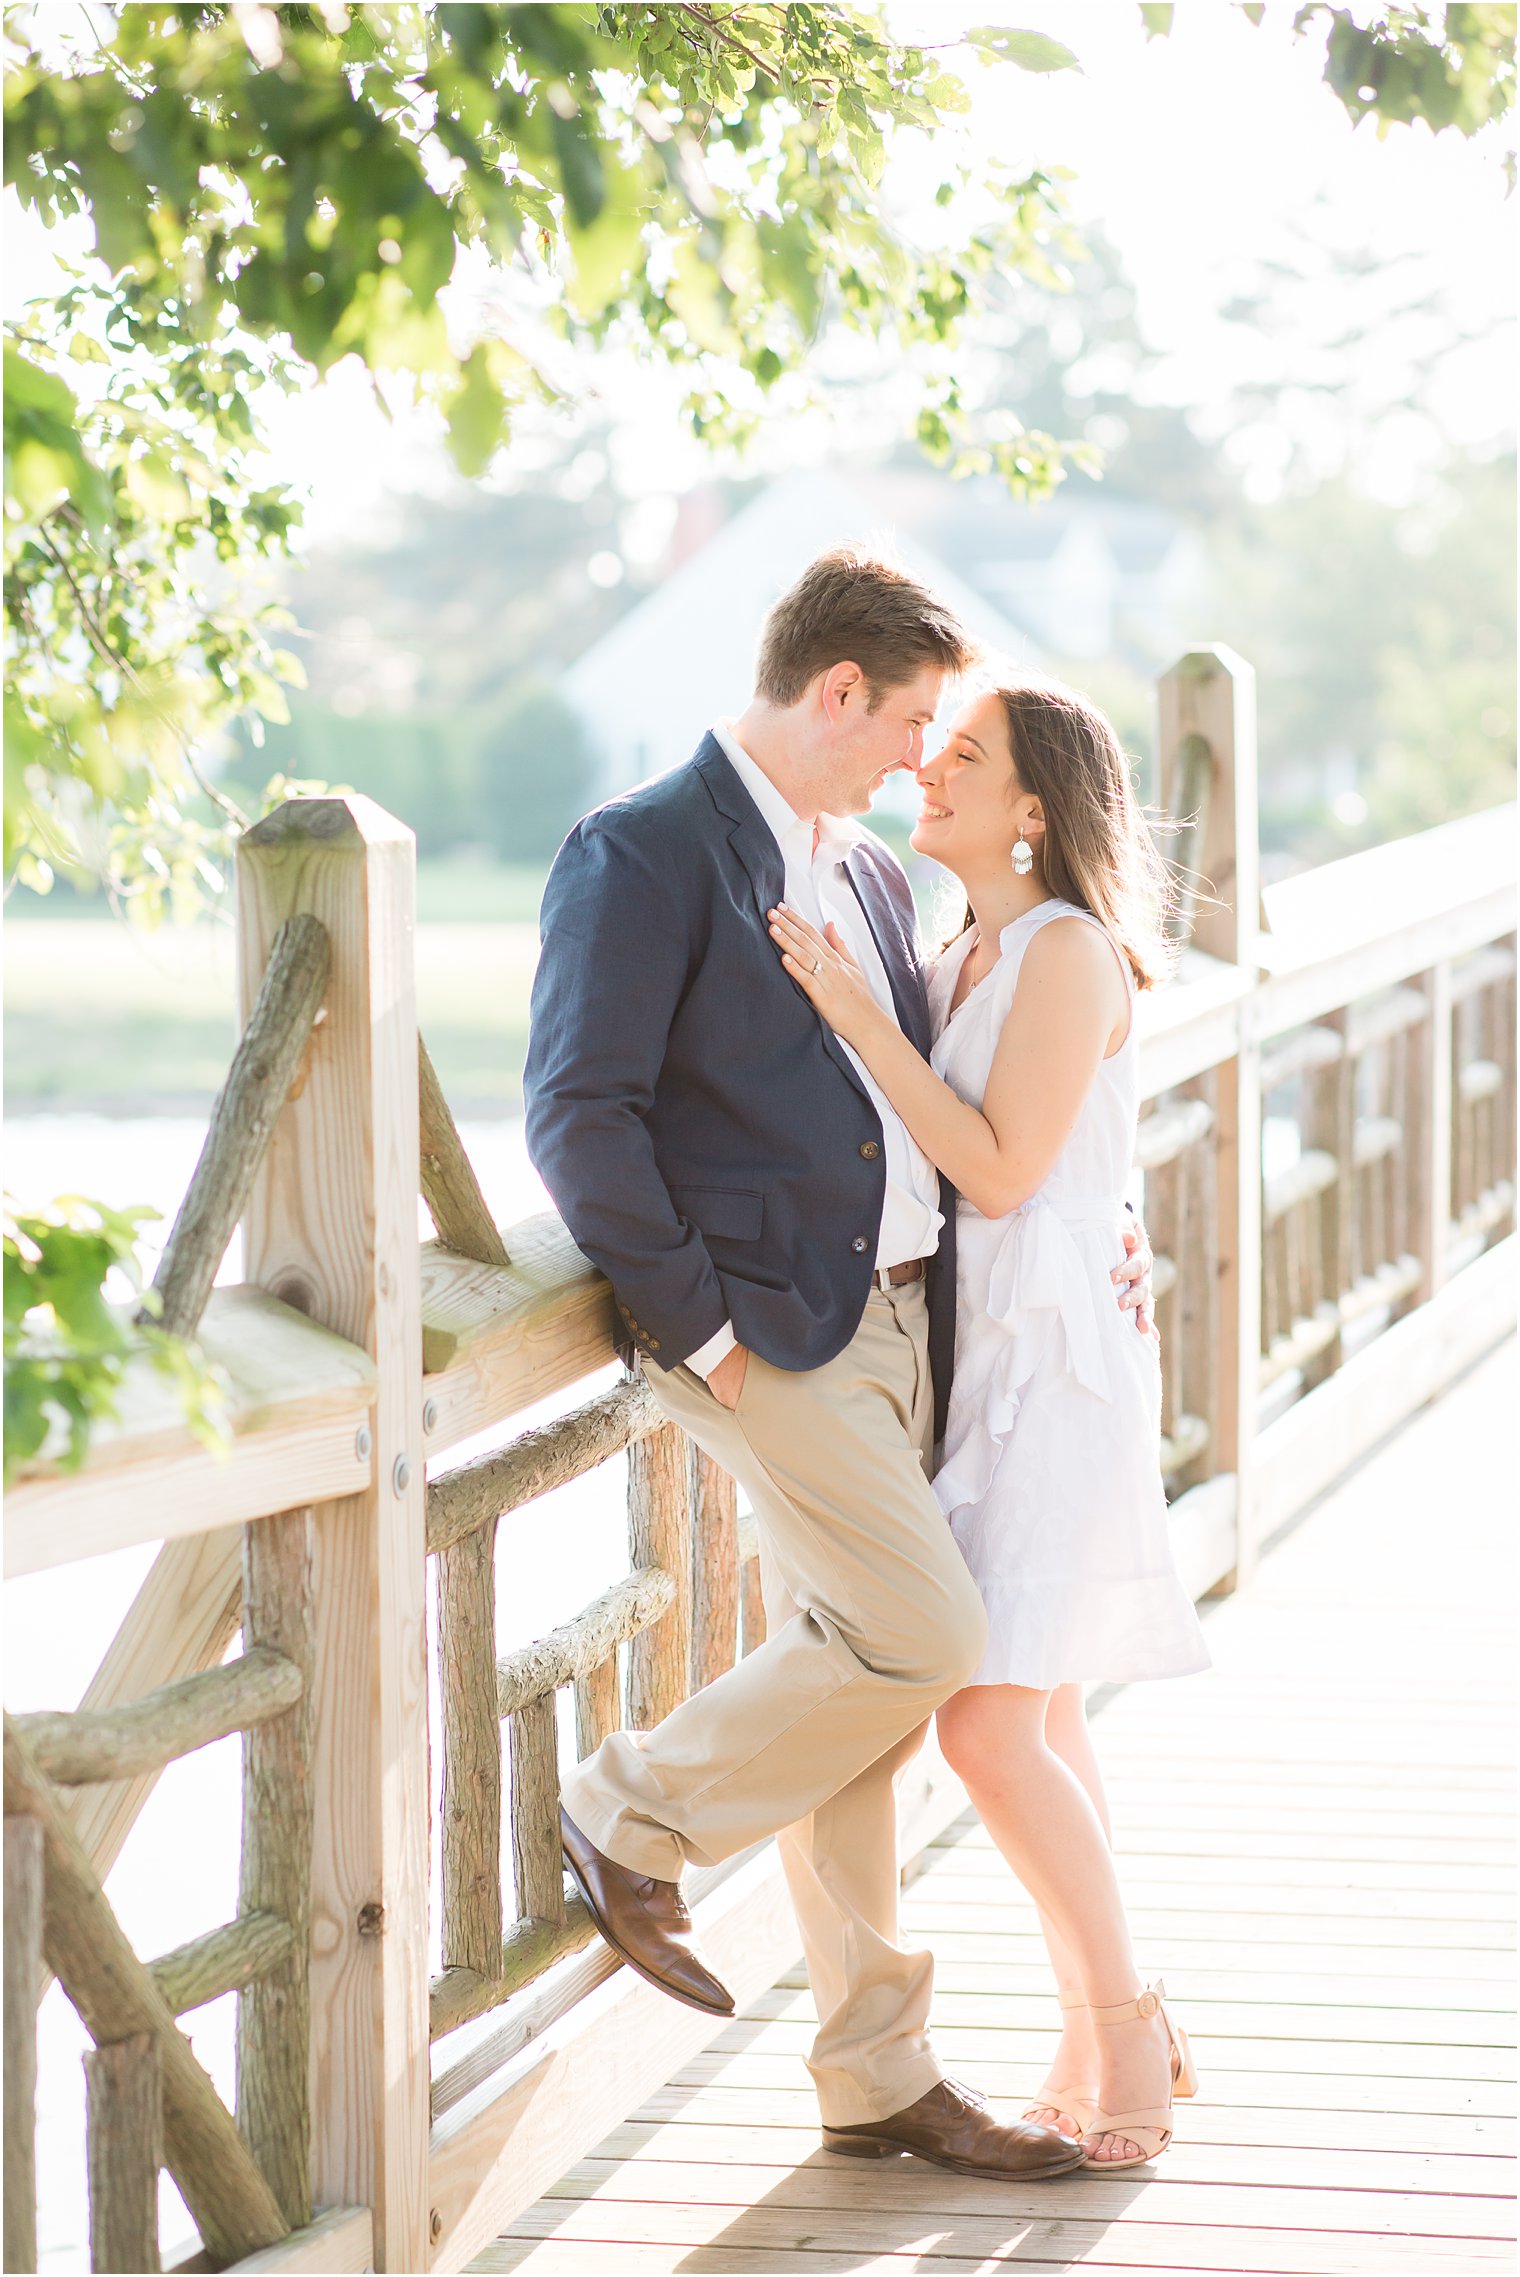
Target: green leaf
x,y
580,168
476,415
612,245
1156,16
1031,51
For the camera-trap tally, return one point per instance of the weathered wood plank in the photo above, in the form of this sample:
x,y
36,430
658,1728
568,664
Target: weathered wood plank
x,y
539,1460
715,1570
232,2204
659,1535
264,1069
1013,2239
1301,1453
337,2242
538,1872
332,1226
627,1610
598,1706
494,1341
90,1745
845,2188
449,1184
1460,2059
123,2131
1299,2026
1211,2125
1007,2076
1200,2255
298,1397
742,2141
274,2008
472,1770
23,1980
223,1960
528,1949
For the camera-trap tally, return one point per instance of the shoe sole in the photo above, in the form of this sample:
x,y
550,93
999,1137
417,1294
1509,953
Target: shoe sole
x,y
632,1961
867,2147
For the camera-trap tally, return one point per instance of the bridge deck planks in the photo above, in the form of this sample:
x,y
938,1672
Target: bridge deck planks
x,y
1316,1839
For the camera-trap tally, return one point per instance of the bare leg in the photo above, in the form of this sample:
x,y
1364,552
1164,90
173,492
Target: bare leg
x,y
1073,2073
1042,1818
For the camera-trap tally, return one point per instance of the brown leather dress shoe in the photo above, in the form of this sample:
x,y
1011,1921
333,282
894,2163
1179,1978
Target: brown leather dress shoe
x,y
646,1923
952,2127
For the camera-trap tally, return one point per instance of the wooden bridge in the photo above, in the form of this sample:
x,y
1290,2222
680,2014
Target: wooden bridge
x,y
1308,1853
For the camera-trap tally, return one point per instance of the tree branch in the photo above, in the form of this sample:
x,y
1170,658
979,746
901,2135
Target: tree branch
x,y
729,39
101,643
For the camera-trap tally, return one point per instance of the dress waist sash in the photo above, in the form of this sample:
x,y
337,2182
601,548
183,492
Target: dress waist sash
x,y
1039,1275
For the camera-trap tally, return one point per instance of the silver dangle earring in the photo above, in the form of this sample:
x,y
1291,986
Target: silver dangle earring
x,y
1023,856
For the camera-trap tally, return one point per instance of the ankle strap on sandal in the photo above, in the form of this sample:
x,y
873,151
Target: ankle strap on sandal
x,y
1146,2003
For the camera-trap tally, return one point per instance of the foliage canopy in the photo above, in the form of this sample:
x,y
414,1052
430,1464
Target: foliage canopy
x,y
457,196
271,191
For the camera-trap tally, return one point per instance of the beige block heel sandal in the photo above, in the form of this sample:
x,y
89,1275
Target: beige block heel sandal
x,y
1151,2129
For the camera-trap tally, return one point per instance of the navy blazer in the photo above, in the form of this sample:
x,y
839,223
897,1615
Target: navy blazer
x,y
704,1134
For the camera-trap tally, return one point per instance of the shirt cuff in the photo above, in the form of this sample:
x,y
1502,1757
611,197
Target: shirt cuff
x,y
711,1354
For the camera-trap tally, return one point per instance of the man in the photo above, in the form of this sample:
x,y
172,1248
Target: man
x,y
782,1256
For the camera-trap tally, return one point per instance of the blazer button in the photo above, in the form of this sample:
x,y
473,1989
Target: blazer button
x,y
654,1344
869,1150
860,1245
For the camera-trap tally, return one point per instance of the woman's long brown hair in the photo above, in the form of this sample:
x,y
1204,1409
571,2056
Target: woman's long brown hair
x,y
1097,851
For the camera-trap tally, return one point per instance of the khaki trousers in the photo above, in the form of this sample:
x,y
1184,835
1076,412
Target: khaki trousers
x,y
871,1621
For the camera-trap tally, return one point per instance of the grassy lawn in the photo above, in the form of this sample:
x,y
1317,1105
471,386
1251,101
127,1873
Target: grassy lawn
x,y
100,1016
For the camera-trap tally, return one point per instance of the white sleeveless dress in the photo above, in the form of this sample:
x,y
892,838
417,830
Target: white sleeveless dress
x,y
1051,1478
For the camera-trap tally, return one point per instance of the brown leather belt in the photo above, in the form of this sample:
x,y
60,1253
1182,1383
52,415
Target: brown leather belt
x,y
893,1276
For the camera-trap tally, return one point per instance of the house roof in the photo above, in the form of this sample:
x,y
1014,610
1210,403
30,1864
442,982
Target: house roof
x,y
699,628
976,523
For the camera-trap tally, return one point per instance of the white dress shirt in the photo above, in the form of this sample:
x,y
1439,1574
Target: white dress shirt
x,y
817,888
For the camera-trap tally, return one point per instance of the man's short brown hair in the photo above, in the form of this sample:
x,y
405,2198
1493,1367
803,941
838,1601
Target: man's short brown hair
x,y
852,607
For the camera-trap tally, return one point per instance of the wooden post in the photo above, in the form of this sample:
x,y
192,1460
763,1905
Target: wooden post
x,y
1210,693
598,1709
714,1569
332,1229
1331,1125
1197,1292
1427,1132
659,1534
471,1754
23,1980
538,1871
124,2151
1165,1201
274,2012
751,1606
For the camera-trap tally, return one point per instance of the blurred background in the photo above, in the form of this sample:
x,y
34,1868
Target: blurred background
x,y
1290,344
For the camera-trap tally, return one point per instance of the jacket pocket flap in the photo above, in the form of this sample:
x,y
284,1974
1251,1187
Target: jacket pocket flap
x,y
727,1211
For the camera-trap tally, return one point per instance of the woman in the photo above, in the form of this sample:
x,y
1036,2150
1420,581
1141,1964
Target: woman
x,y
1050,1477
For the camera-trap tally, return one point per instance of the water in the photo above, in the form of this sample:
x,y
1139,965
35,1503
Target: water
x,y
177,1875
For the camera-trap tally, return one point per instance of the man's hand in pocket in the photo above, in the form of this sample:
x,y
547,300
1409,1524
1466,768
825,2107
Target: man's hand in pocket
x,y
727,1379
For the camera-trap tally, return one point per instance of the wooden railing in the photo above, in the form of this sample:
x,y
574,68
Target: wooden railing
x,y
1301,1315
